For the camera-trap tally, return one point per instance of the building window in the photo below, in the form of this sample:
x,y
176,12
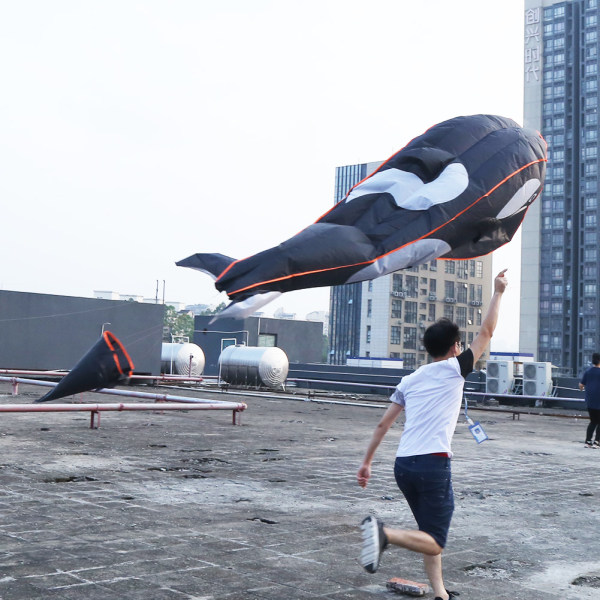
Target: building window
x,y
395,335
410,338
410,312
368,334
472,268
479,269
449,311
396,309
369,307
432,286
449,289
449,267
396,282
410,360
370,285
412,285
267,340
478,293
431,313
589,343
461,316
461,293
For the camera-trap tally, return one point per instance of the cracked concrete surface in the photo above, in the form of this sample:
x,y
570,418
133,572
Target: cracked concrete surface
x,y
186,506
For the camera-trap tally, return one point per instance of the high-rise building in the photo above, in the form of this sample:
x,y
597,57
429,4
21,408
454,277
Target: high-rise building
x,y
559,264
386,317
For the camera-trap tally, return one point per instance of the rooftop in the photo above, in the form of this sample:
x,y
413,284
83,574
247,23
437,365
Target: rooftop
x,y
186,506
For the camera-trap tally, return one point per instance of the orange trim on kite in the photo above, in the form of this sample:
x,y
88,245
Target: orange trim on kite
x,y
226,269
367,262
108,338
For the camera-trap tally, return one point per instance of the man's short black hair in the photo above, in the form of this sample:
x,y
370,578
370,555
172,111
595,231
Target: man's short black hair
x,y
440,337
596,358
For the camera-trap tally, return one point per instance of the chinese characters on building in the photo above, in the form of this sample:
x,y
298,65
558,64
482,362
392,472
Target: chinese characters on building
x,y
533,44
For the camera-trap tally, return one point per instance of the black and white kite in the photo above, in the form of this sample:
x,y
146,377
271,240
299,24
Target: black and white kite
x,y
458,191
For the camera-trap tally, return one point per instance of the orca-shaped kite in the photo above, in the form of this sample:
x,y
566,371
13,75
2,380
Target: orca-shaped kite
x,y
458,191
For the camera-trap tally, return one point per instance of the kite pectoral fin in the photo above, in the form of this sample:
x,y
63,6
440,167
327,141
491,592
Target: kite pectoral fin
x,y
244,308
211,264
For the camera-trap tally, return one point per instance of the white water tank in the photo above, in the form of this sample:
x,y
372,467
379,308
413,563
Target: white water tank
x,y
254,365
182,359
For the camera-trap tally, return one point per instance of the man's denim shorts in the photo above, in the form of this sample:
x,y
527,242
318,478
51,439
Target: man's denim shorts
x,y
426,482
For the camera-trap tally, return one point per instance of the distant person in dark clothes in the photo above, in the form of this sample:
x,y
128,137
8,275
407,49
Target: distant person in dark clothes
x,y
590,382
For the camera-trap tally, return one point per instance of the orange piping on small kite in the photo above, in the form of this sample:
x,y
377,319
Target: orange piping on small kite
x,y
107,335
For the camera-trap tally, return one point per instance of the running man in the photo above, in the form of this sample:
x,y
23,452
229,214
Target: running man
x,y
431,397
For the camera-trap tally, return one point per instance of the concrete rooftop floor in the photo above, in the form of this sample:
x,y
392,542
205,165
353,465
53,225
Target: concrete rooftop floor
x,y
186,506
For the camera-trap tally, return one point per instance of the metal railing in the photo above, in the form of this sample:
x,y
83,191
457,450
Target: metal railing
x,y
165,402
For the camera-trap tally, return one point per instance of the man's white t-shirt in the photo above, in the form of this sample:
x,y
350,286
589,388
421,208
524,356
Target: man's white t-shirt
x,y
431,397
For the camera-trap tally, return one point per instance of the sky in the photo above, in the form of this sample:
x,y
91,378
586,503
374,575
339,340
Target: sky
x,y
136,133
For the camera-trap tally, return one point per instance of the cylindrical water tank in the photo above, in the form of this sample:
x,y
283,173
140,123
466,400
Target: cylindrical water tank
x,y
252,365
182,359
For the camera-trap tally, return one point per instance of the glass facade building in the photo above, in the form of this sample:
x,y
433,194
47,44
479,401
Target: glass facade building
x,y
561,100
345,300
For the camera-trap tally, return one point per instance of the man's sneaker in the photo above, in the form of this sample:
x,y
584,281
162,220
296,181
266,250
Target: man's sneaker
x,y
596,444
374,543
589,444
450,594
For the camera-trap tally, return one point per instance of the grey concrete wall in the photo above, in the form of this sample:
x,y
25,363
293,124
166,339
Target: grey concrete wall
x,y
302,341
43,331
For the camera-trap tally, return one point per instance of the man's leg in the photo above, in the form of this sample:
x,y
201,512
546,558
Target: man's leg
x,y
433,568
412,539
422,542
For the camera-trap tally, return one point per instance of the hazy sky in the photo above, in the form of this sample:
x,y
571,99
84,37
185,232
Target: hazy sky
x,y
136,133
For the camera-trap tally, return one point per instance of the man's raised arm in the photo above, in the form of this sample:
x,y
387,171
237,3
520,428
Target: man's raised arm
x,y
480,343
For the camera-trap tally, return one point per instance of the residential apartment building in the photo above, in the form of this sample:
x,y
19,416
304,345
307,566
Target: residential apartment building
x,y
560,276
386,317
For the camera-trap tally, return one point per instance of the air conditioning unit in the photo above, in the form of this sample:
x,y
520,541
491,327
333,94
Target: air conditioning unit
x,y
499,377
537,379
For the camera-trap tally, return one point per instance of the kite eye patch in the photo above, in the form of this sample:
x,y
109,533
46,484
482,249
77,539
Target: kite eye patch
x,y
522,197
410,192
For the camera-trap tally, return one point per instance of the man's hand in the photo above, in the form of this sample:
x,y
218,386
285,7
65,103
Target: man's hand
x,y
500,282
363,475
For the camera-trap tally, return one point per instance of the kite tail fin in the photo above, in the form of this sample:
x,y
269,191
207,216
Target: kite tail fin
x,y
211,264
